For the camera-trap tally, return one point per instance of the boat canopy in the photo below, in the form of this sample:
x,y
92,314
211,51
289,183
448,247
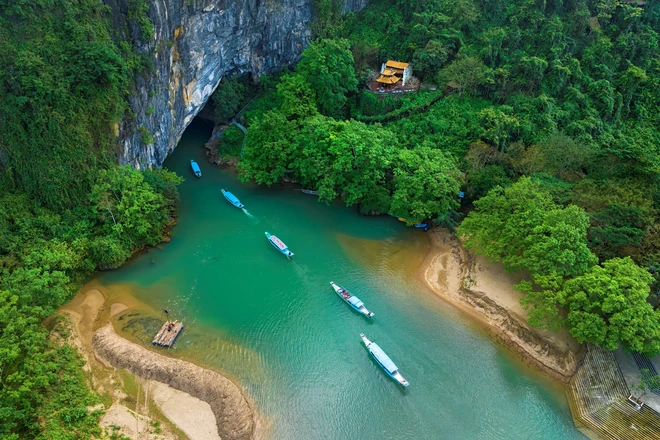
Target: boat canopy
x,y
384,360
232,198
195,168
355,301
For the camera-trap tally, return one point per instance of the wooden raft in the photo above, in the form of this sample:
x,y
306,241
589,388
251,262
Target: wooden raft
x,y
168,333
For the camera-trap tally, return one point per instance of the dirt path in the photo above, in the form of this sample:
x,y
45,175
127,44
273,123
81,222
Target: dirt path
x,y
485,291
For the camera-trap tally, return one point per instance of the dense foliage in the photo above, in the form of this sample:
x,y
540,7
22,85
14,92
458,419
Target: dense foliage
x,y
66,208
544,114
522,227
607,305
228,99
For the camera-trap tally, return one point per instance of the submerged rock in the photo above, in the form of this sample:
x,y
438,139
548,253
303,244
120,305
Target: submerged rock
x,y
194,44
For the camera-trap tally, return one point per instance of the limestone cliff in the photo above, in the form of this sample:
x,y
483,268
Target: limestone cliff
x,y
194,44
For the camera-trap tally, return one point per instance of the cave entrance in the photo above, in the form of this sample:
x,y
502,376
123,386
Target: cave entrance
x,y
207,114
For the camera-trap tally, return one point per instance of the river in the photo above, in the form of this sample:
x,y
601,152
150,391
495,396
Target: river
x,y
277,328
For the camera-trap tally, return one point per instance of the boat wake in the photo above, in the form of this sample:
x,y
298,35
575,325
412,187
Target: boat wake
x,y
252,218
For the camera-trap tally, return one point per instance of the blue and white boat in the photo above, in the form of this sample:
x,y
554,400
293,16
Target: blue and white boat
x,y
352,301
232,199
279,245
195,168
384,361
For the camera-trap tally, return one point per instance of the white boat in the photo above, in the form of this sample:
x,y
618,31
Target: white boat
x,y
384,361
352,300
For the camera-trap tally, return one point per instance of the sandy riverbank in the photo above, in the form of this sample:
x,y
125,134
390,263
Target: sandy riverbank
x,y
485,291
146,388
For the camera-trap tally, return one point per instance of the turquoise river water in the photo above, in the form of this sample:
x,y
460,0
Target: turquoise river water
x,y
279,331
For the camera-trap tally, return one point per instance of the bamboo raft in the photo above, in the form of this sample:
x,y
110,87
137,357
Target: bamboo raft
x,y
168,333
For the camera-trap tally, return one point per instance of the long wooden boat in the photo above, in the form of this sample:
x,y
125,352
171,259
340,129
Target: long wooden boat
x,y
384,361
279,245
232,199
352,300
195,168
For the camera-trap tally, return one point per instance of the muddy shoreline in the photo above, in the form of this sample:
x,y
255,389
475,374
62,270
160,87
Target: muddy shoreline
x,y
199,392
233,414
484,291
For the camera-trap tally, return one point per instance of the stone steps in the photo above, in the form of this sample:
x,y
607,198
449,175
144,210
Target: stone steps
x,y
598,396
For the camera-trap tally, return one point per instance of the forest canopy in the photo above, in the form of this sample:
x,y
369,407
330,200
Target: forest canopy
x,y
544,115
66,207
536,122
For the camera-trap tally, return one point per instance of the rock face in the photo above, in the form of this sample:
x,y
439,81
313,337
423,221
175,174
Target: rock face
x,y
194,44
354,5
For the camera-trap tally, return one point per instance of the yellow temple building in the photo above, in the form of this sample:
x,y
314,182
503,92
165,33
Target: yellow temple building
x,y
392,72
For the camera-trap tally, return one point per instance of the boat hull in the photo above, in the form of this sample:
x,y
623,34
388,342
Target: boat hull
x,y
346,296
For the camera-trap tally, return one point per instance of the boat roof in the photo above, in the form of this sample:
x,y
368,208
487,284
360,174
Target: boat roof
x,y
382,357
355,301
230,196
277,242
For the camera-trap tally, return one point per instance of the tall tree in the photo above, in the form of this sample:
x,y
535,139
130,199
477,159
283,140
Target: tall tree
x,y
426,184
608,305
327,66
522,227
466,75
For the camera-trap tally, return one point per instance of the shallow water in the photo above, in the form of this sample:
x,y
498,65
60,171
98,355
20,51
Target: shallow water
x,y
279,330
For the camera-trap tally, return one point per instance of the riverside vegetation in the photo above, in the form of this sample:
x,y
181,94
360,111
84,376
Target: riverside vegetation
x,y
66,208
553,135
552,132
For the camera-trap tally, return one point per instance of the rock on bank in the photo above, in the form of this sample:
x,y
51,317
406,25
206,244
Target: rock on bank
x,y
234,416
193,45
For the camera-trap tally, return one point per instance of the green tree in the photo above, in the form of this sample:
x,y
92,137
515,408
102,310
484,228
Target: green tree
x,y
498,126
129,207
326,16
616,230
430,58
62,86
297,97
346,158
466,74
608,305
269,149
62,81
228,99
486,178
327,66
542,300
564,157
426,184
523,228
